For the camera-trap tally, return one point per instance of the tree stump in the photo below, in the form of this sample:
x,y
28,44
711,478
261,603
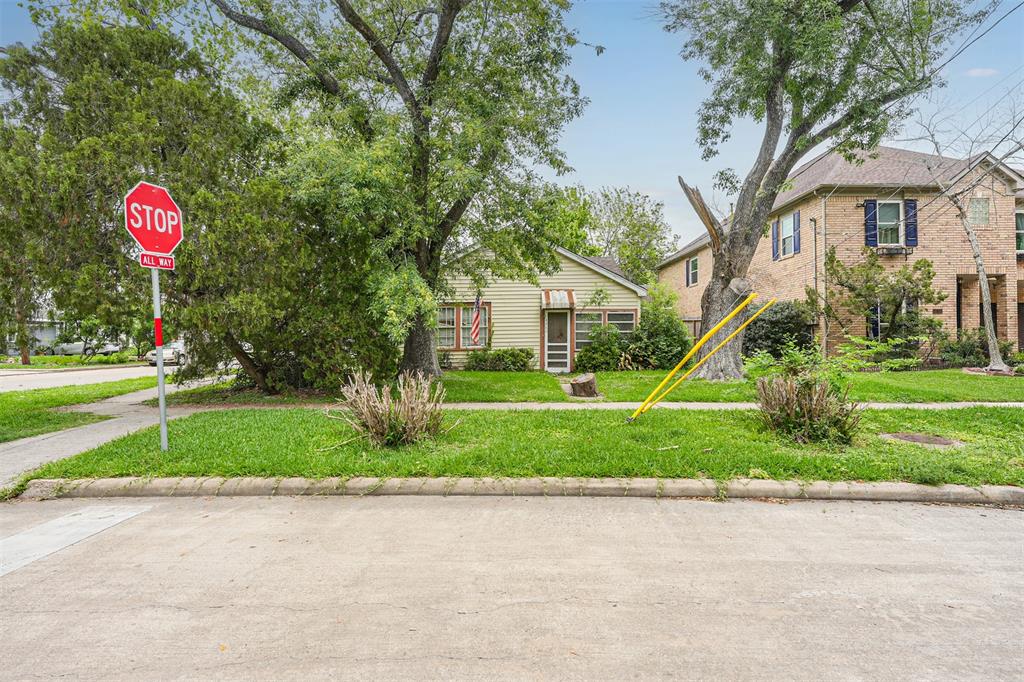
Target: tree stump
x,y
584,386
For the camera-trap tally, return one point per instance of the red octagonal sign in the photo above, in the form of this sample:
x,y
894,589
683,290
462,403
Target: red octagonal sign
x,y
153,219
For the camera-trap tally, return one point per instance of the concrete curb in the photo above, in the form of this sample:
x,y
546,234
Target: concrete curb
x,y
41,489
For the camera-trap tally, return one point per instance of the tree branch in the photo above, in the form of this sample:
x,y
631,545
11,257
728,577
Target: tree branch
x,y
386,58
287,40
445,23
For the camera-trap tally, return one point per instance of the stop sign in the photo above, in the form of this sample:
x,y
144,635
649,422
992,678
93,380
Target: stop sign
x,y
152,218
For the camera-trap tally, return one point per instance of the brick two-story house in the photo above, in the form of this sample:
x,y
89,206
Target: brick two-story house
x,y
893,203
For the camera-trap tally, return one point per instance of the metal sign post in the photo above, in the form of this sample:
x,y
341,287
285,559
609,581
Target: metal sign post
x,y
158,335
155,223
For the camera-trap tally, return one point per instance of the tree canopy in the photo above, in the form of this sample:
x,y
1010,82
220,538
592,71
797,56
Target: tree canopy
x,y
809,72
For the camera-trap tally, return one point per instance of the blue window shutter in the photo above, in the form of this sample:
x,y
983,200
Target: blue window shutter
x,y
796,232
775,240
910,216
870,223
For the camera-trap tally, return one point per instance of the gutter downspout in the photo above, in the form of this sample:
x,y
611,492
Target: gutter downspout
x,y
824,280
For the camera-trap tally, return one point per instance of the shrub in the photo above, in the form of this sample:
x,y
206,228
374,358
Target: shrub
x,y
804,396
404,415
603,352
658,342
500,360
783,323
970,349
444,359
891,355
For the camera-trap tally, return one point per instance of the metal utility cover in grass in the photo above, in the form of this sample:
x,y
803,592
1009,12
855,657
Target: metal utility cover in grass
x,y
924,439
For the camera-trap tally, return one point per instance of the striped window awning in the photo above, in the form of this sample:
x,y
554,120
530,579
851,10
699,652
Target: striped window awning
x,y
557,298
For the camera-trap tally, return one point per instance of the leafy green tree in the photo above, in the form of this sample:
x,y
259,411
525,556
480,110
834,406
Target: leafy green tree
x,y
630,227
661,339
810,72
440,115
257,282
889,299
615,222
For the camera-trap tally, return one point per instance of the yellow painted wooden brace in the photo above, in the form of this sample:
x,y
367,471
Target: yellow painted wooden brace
x,y
704,359
696,347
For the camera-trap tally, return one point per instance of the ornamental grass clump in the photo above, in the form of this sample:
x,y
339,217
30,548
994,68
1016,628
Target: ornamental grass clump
x,y
401,415
804,396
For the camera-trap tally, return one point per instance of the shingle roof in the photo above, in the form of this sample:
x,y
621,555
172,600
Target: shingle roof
x,y
883,167
687,249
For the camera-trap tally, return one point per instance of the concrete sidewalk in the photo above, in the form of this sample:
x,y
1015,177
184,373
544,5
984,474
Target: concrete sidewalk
x,y
15,380
368,588
19,456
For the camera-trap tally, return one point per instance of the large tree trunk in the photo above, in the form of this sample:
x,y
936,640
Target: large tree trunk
x,y
249,366
722,294
420,353
22,336
995,358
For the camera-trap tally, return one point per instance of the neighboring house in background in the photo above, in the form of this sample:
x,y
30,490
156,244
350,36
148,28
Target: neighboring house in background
x,y
890,203
44,332
552,318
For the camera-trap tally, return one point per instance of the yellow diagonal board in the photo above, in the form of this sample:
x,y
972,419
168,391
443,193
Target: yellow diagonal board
x,y
696,347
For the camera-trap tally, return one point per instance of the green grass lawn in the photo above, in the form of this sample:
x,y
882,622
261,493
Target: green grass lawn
x,y
936,385
29,413
720,445
63,362
485,387
511,387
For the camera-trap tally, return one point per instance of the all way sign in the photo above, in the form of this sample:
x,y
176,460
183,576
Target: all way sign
x,y
154,222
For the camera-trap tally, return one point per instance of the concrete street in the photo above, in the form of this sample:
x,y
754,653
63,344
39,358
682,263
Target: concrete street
x,y
496,588
24,379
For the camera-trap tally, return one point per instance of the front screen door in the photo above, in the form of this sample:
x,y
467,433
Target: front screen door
x,y
556,341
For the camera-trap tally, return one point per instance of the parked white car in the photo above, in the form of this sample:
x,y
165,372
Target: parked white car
x,y
174,354
78,348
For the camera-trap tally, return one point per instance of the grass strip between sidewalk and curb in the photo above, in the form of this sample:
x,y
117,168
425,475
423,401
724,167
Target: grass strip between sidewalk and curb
x,y
939,386
31,412
591,444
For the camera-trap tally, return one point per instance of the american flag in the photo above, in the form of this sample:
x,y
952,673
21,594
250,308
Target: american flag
x,y
474,332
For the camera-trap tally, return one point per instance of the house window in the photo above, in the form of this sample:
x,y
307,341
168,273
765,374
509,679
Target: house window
x,y
786,235
1020,231
446,326
467,327
889,220
977,211
624,322
691,272
584,323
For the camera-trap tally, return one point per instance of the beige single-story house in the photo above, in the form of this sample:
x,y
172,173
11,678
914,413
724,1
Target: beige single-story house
x,y
552,317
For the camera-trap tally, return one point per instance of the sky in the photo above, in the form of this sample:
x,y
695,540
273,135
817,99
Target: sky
x,y
639,128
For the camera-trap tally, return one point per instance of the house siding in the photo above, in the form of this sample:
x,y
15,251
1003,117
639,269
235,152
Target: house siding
x,y
516,313
836,219
674,276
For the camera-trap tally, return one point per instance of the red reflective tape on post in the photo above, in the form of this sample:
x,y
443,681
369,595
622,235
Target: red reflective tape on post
x,y
158,331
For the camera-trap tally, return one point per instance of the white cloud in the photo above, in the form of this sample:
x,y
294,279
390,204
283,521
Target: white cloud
x,y
981,73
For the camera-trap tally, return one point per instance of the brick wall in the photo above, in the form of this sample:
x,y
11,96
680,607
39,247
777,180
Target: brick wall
x,y
674,275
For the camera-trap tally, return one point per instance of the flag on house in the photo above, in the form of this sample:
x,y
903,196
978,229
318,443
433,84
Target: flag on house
x,y
474,331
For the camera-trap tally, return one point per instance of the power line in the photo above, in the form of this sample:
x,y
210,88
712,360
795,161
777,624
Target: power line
x,y
967,43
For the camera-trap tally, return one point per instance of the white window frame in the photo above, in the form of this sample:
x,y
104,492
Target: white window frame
x,y
616,323
466,328
583,333
692,271
452,327
786,231
988,211
1018,231
899,223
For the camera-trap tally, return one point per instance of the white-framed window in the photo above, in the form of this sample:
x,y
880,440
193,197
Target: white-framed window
x,y
446,326
1020,231
786,235
467,326
624,321
890,221
691,271
977,211
584,322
